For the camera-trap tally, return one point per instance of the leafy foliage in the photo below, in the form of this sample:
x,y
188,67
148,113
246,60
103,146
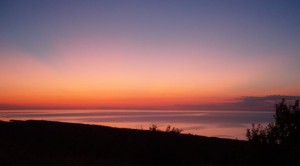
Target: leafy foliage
x,y
257,133
285,129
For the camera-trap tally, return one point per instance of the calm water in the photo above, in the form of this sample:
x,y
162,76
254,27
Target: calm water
x,y
226,124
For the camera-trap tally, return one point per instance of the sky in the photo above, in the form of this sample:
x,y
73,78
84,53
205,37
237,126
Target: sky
x,y
158,54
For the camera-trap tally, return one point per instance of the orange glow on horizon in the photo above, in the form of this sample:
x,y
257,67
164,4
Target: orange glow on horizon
x,y
108,77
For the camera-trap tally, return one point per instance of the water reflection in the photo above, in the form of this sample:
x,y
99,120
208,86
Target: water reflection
x,y
229,124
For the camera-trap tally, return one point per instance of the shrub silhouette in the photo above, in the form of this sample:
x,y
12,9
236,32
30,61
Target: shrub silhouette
x,y
175,130
154,128
169,129
285,129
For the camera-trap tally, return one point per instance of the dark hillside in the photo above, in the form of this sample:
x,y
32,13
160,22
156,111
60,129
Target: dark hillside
x,y
57,143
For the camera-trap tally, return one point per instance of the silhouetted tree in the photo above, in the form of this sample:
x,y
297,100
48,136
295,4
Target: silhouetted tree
x,y
285,129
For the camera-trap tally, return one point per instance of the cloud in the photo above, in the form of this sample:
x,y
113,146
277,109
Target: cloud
x,y
249,103
267,98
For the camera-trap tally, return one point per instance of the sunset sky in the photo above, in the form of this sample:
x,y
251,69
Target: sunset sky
x,y
154,54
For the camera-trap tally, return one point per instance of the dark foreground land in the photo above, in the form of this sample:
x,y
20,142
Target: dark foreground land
x,y
56,143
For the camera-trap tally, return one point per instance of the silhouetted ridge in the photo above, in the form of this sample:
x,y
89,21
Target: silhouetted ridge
x,y
57,143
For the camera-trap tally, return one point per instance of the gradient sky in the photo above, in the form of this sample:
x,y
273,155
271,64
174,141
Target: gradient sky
x,y
146,54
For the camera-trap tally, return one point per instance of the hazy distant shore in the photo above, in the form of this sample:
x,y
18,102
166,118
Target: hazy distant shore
x,y
56,143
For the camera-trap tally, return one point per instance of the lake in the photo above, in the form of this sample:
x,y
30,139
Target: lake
x,y
225,124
